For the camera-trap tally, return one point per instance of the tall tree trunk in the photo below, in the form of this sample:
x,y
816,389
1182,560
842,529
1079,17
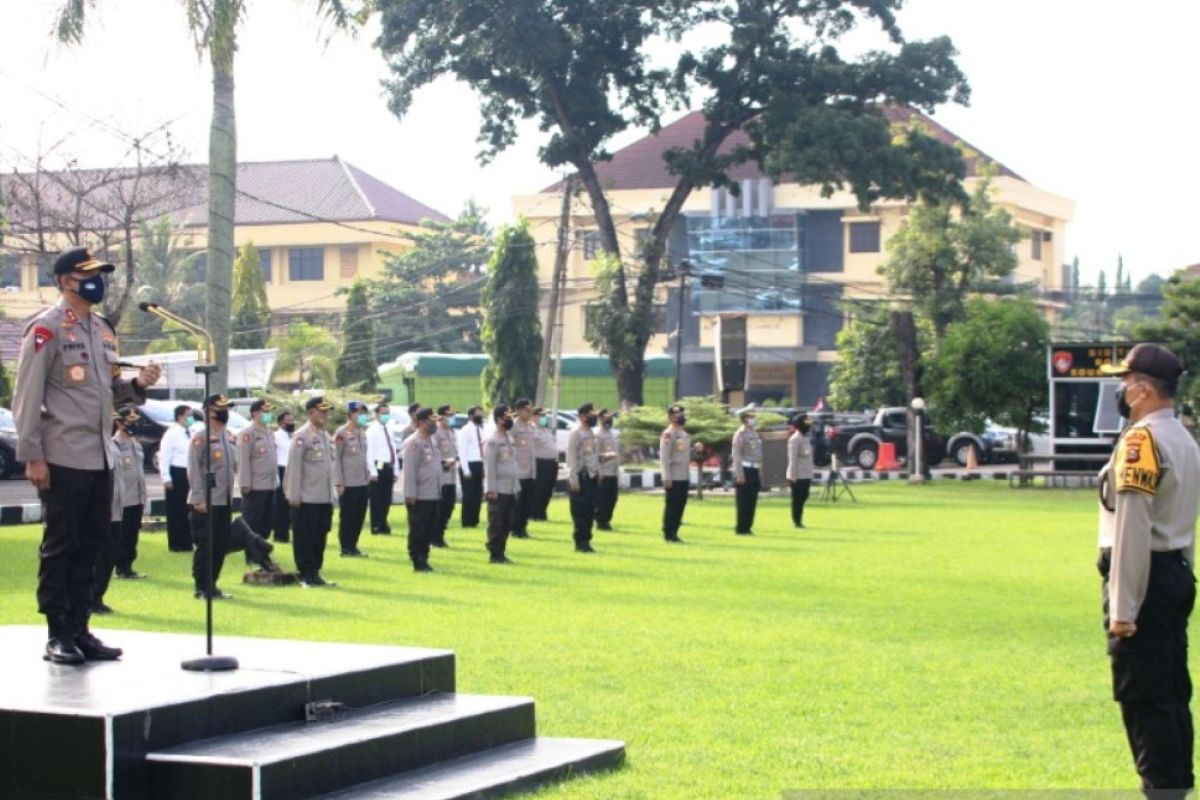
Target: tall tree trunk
x,y
904,329
222,197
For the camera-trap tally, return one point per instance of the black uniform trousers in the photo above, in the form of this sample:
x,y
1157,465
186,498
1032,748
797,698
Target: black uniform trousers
x,y
747,499
606,499
179,534
77,508
131,528
422,522
282,518
583,508
547,476
221,520
1150,676
258,508
676,500
310,532
472,494
501,512
445,512
523,506
353,512
106,559
381,499
800,489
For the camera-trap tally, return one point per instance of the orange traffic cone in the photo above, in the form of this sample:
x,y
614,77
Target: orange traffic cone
x,y
887,458
972,460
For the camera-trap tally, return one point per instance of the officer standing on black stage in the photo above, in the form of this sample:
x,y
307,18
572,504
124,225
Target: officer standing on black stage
x,y
448,449
309,482
222,450
173,451
1149,586
381,451
67,380
282,518
422,487
747,465
799,466
675,461
522,436
131,459
470,460
353,474
258,468
545,455
501,484
610,466
583,470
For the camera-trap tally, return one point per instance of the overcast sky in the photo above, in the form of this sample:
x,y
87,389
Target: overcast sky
x,y
1095,101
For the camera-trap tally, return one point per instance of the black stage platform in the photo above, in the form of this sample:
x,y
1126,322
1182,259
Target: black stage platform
x,y
143,728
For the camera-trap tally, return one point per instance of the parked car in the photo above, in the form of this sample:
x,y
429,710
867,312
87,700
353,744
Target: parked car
x,y
994,446
825,425
156,415
860,444
9,466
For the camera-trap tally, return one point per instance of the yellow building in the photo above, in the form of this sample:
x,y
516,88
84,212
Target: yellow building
x,y
318,225
785,256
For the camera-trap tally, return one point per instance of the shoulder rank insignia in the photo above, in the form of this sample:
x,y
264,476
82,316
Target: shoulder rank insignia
x,y
246,437
1136,463
41,338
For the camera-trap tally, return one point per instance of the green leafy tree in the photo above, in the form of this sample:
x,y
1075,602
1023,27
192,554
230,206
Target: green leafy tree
x,y
582,72
307,352
357,366
1179,329
512,332
867,371
213,25
166,274
251,314
428,296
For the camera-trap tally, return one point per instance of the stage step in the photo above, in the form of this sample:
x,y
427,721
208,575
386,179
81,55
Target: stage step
x,y
302,760
520,766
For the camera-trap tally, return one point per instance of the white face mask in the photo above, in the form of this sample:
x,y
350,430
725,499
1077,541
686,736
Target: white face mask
x,y
752,423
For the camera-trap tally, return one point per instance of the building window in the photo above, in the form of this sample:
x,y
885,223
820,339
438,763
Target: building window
x,y
306,264
1035,242
10,272
264,258
349,260
864,237
591,244
45,272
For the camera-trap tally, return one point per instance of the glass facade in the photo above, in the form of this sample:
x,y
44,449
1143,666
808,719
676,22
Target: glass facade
x,y
746,263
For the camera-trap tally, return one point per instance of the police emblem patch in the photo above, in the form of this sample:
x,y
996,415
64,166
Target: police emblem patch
x,y
76,373
41,337
1137,467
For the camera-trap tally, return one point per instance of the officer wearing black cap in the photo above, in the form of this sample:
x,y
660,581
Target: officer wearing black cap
x,y
675,458
447,447
1149,510
746,456
218,456
523,437
422,487
583,471
68,377
355,474
799,466
129,470
501,484
545,454
258,468
309,484
610,466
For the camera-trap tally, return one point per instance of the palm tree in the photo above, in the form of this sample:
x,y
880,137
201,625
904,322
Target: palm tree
x,y
308,351
214,26
166,273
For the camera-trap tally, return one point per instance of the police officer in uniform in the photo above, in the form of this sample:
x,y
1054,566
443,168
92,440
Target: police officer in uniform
x,y
799,466
258,468
382,453
67,380
448,449
106,554
356,475
131,459
674,455
523,436
282,518
422,487
1148,575
583,471
747,466
610,465
501,484
545,455
222,461
309,480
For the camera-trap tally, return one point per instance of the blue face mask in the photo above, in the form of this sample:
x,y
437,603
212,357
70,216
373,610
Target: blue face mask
x,y
385,418
92,289
363,420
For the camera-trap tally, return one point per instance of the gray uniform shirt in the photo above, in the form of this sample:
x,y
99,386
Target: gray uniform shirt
x,y
350,455
545,445
800,458
608,452
500,465
1156,472
422,469
222,449
523,437
258,466
311,469
447,446
582,456
67,382
675,454
747,452
128,470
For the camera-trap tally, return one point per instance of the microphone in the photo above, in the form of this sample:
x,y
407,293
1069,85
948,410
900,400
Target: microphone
x,y
148,307
210,350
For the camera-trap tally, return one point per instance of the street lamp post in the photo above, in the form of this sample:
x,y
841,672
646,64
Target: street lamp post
x,y
916,473
684,269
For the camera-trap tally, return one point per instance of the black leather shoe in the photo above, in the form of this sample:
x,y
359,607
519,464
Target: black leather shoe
x,y
437,544
130,575
95,650
62,650
674,539
603,526
353,554
584,548
422,568
101,607
500,560
521,535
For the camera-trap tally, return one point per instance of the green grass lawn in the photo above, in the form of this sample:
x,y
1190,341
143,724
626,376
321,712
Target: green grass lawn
x,y
942,636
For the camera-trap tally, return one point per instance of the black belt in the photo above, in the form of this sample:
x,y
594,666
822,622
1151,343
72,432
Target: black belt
x,y
1180,553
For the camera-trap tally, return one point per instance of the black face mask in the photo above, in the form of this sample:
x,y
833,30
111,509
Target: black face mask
x,y
591,420
477,419
289,427
681,419
221,417
506,423
1122,404
803,428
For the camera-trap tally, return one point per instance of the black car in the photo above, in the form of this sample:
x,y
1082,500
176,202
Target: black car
x,y
155,415
9,466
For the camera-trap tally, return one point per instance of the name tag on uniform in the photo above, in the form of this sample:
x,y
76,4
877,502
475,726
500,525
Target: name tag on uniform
x,y
680,446
588,446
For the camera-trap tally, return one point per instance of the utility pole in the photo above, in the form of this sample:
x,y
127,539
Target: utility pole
x,y
554,310
684,270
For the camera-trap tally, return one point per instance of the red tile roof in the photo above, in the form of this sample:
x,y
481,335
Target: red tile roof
x,y
641,166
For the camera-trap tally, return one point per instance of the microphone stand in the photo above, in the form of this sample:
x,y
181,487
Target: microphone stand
x,y
208,662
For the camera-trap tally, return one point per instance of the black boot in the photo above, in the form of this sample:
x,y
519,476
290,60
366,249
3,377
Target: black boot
x,y
60,648
92,648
